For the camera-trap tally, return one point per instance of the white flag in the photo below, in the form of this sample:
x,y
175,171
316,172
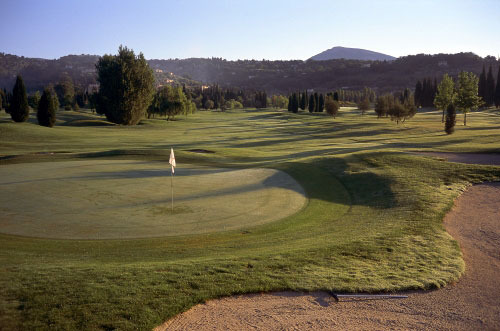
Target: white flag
x,y
172,160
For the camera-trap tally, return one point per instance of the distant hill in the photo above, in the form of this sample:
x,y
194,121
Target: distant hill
x,y
272,76
351,54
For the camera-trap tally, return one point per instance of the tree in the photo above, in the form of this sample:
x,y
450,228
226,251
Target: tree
x,y
66,92
449,126
384,102
171,101
125,86
3,99
312,103
418,94
33,100
467,93
490,89
331,106
400,112
46,113
316,102
445,95
19,109
209,104
303,101
497,90
364,105
295,103
482,85
321,103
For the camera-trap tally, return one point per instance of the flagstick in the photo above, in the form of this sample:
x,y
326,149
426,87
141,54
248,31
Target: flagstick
x,y
172,185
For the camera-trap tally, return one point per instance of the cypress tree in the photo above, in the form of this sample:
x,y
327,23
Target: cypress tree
x,y
19,109
316,102
289,103
312,103
321,103
490,89
336,96
418,94
451,114
303,101
497,90
481,92
295,101
46,113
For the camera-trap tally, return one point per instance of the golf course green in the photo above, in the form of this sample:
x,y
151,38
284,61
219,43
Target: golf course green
x,y
264,200
112,199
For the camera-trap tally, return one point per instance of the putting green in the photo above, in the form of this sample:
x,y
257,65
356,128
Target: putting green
x,y
109,199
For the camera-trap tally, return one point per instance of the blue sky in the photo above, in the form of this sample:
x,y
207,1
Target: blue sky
x,y
272,29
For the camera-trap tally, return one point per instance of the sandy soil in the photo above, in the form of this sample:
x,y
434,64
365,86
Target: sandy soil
x,y
472,303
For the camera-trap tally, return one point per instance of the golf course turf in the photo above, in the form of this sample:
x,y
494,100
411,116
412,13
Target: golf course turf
x,y
372,221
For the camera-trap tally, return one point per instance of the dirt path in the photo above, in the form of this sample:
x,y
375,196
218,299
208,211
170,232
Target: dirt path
x,y
472,303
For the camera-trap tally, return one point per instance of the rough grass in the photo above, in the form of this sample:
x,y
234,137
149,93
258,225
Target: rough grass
x,y
373,221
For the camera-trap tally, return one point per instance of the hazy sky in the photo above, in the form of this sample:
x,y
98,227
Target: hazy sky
x,y
252,29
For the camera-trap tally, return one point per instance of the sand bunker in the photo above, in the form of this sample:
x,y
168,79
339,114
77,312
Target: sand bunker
x,y
105,199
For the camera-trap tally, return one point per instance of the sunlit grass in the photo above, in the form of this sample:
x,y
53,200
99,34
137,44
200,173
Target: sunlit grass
x,y
373,221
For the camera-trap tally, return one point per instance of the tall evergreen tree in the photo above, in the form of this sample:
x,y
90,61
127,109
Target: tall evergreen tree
x,y
451,115
418,94
289,103
482,85
336,96
303,101
312,104
19,109
295,101
46,113
490,89
497,90
316,102
321,103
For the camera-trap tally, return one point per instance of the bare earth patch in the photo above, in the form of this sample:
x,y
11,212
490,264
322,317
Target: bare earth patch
x,y
472,303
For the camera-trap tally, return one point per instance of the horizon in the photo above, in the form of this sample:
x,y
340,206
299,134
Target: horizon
x,y
236,30
304,60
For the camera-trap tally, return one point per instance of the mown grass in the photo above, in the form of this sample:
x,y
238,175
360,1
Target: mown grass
x,y
373,221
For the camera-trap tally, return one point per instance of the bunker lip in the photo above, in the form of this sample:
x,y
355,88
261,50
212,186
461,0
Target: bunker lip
x,y
131,199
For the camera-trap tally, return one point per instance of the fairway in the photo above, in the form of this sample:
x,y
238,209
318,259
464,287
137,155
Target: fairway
x,y
110,199
363,213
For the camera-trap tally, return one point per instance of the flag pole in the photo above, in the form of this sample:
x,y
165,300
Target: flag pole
x,y
172,186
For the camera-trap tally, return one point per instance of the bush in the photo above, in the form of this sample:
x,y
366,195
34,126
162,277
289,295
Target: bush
x,y
331,106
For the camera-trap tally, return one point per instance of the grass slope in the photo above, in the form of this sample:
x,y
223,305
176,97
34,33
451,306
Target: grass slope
x,y
373,221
